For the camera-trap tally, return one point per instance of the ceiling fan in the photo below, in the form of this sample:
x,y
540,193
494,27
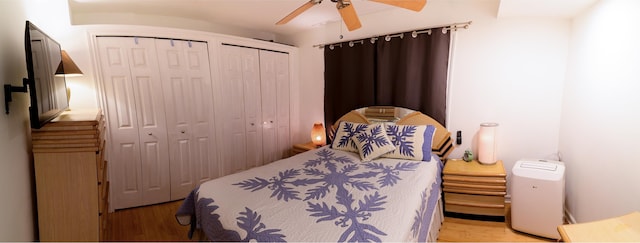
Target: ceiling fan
x,y
348,13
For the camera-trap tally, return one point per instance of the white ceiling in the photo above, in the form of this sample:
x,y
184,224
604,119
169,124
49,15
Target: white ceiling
x,y
263,14
543,8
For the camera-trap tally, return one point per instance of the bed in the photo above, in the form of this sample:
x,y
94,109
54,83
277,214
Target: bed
x,y
334,193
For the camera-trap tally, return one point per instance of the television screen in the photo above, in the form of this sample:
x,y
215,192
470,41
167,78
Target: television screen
x,y
48,91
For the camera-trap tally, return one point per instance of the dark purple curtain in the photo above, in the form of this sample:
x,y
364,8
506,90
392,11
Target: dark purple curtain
x,y
351,71
407,72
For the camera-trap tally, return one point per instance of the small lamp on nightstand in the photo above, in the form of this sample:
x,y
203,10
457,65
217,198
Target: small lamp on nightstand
x,y
318,136
487,143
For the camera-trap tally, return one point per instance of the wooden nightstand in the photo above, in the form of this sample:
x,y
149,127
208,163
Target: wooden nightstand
x,y
303,147
474,188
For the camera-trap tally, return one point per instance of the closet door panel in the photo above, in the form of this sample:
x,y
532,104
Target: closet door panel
x,y
155,157
252,106
205,151
275,100
255,87
135,121
232,113
269,108
189,106
126,162
130,185
283,104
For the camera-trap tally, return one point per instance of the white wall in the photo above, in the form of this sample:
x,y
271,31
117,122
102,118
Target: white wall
x,y
600,118
509,70
16,181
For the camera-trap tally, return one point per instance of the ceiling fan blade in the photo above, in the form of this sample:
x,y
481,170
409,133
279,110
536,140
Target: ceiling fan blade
x,y
415,5
298,11
348,14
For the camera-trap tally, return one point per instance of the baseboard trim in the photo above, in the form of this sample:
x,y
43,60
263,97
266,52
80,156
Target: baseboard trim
x,y
568,217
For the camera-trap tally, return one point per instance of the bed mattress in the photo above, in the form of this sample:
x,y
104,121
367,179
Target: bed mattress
x,y
319,195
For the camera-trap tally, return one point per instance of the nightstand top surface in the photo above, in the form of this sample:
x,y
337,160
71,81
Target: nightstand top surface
x,y
473,168
305,146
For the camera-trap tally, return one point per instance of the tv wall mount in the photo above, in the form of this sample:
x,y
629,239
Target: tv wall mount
x,y
9,89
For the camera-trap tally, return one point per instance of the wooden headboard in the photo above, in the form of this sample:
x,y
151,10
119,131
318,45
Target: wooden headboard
x,y
441,146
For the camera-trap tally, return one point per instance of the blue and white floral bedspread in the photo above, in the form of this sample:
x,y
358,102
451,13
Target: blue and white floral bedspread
x,y
320,195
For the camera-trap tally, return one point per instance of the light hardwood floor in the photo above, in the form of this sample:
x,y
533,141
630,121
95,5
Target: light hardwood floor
x,y
157,223
148,223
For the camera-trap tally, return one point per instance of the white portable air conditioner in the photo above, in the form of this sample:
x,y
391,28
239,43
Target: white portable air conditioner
x,y
537,197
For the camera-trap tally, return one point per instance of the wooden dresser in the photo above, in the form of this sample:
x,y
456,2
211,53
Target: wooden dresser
x,y
71,177
474,188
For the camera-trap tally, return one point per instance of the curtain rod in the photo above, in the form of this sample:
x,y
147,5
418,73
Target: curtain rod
x,y
414,33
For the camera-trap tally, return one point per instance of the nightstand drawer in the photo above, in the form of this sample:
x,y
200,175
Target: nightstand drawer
x,y
475,191
474,200
481,187
474,210
474,204
476,180
473,188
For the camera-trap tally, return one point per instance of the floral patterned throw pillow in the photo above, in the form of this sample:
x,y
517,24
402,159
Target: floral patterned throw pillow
x,y
411,141
373,142
345,131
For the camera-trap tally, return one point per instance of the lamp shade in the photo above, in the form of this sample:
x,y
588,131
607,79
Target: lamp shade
x,y
67,67
487,143
318,136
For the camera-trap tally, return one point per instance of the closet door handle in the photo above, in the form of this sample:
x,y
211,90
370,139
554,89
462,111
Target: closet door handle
x,y
150,134
253,124
182,132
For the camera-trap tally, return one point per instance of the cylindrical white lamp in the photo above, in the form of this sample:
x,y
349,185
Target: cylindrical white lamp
x,y
487,143
318,136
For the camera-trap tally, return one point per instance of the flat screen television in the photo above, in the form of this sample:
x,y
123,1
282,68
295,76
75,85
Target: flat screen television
x,y
47,90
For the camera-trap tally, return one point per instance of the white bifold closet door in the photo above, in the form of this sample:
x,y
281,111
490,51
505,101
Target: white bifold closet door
x,y
254,92
186,81
274,82
159,107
